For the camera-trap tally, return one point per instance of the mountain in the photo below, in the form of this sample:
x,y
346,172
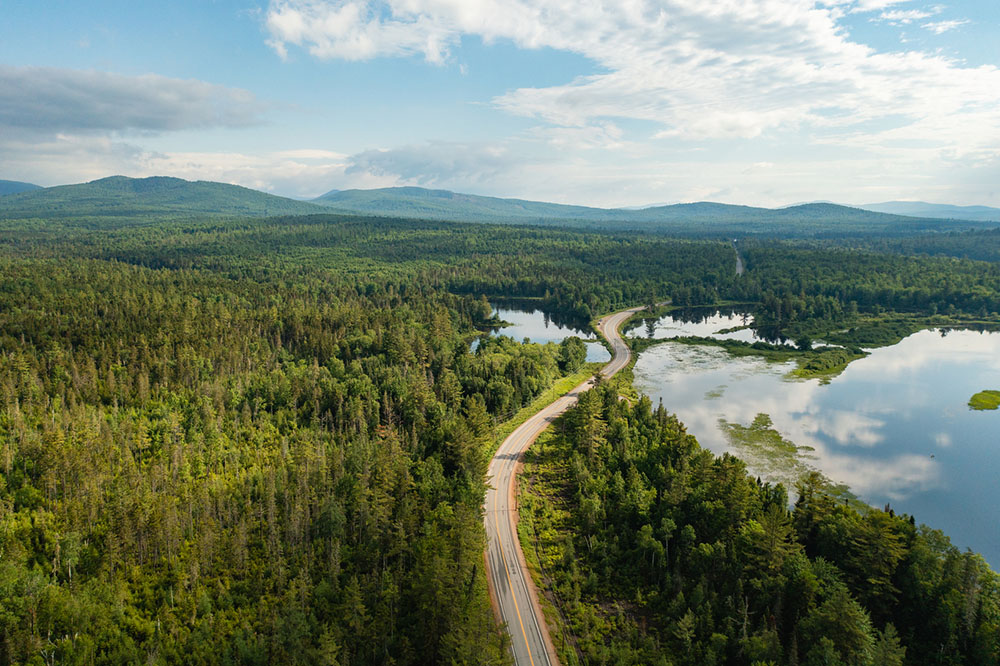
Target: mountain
x,y
702,218
946,211
445,205
122,197
122,200
15,186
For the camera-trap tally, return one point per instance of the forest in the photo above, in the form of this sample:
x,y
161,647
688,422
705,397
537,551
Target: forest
x,y
656,551
233,441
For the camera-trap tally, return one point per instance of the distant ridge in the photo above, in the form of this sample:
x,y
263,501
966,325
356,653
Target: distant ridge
x,y
946,211
446,205
443,204
700,218
120,200
16,187
120,196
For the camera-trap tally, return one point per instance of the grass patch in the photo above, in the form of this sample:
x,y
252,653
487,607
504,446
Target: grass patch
x,y
985,400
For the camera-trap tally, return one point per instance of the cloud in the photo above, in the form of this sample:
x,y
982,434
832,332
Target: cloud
x,y
941,27
699,71
904,17
355,30
437,164
871,5
65,125
50,100
66,158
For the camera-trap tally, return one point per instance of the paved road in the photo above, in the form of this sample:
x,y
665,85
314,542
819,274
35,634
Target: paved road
x,y
511,586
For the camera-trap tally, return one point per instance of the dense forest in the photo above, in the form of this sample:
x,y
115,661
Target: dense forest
x,y
264,441
656,551
980,244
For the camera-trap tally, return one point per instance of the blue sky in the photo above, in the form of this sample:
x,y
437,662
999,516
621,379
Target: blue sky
x,y
763,102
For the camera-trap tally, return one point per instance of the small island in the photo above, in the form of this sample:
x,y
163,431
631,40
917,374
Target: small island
x,y
985,400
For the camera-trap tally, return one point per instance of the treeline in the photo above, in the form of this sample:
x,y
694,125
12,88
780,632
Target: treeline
x,y
573,274
794,284
975,244
659,552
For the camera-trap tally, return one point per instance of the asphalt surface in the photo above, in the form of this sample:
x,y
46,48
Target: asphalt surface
x,y
513,592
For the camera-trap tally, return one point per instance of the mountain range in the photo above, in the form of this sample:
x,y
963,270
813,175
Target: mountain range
x,y
924,209
145,199
701,218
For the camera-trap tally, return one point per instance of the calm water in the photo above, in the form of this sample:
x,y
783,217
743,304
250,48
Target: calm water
x,y
702,322
537,326
895,426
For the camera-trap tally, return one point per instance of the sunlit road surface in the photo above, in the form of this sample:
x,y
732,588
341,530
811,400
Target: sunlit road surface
x,y
510,583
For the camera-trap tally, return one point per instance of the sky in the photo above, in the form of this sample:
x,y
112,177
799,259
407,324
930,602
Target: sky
x,y
625,103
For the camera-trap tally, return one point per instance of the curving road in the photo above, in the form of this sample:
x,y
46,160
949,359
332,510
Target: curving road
x,y
511,587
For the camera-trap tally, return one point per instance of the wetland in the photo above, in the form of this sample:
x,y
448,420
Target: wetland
x,y
894,427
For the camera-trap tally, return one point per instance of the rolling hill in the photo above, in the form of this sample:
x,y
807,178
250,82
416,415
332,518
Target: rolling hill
x,y
445,205
15,187
702,218
122,197
120,200
924,209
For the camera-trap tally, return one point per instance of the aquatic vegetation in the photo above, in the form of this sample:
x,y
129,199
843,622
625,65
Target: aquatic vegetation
x,y
716,393
781,460
985,400
819,362
766,452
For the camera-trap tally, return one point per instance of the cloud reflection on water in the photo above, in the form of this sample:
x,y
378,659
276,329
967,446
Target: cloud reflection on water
x,y
875,428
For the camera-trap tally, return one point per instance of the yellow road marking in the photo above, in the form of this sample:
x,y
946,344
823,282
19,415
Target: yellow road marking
x,y
510,584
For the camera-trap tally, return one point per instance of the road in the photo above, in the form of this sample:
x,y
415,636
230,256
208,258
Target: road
x,y
511,587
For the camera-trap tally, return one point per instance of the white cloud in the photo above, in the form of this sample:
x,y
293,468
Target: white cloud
x,y
438,164
49,100
720,70
898,16
68,158
873,5
941,27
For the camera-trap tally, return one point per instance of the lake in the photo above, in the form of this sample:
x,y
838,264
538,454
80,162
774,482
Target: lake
x,y
540,327
895,426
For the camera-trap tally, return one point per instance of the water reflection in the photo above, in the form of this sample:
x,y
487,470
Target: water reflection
x,y
713,322
894,426
541,327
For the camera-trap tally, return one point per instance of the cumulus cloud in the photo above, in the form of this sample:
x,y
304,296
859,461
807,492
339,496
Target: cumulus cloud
x,y
51,100
437,164
698,70
64,125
